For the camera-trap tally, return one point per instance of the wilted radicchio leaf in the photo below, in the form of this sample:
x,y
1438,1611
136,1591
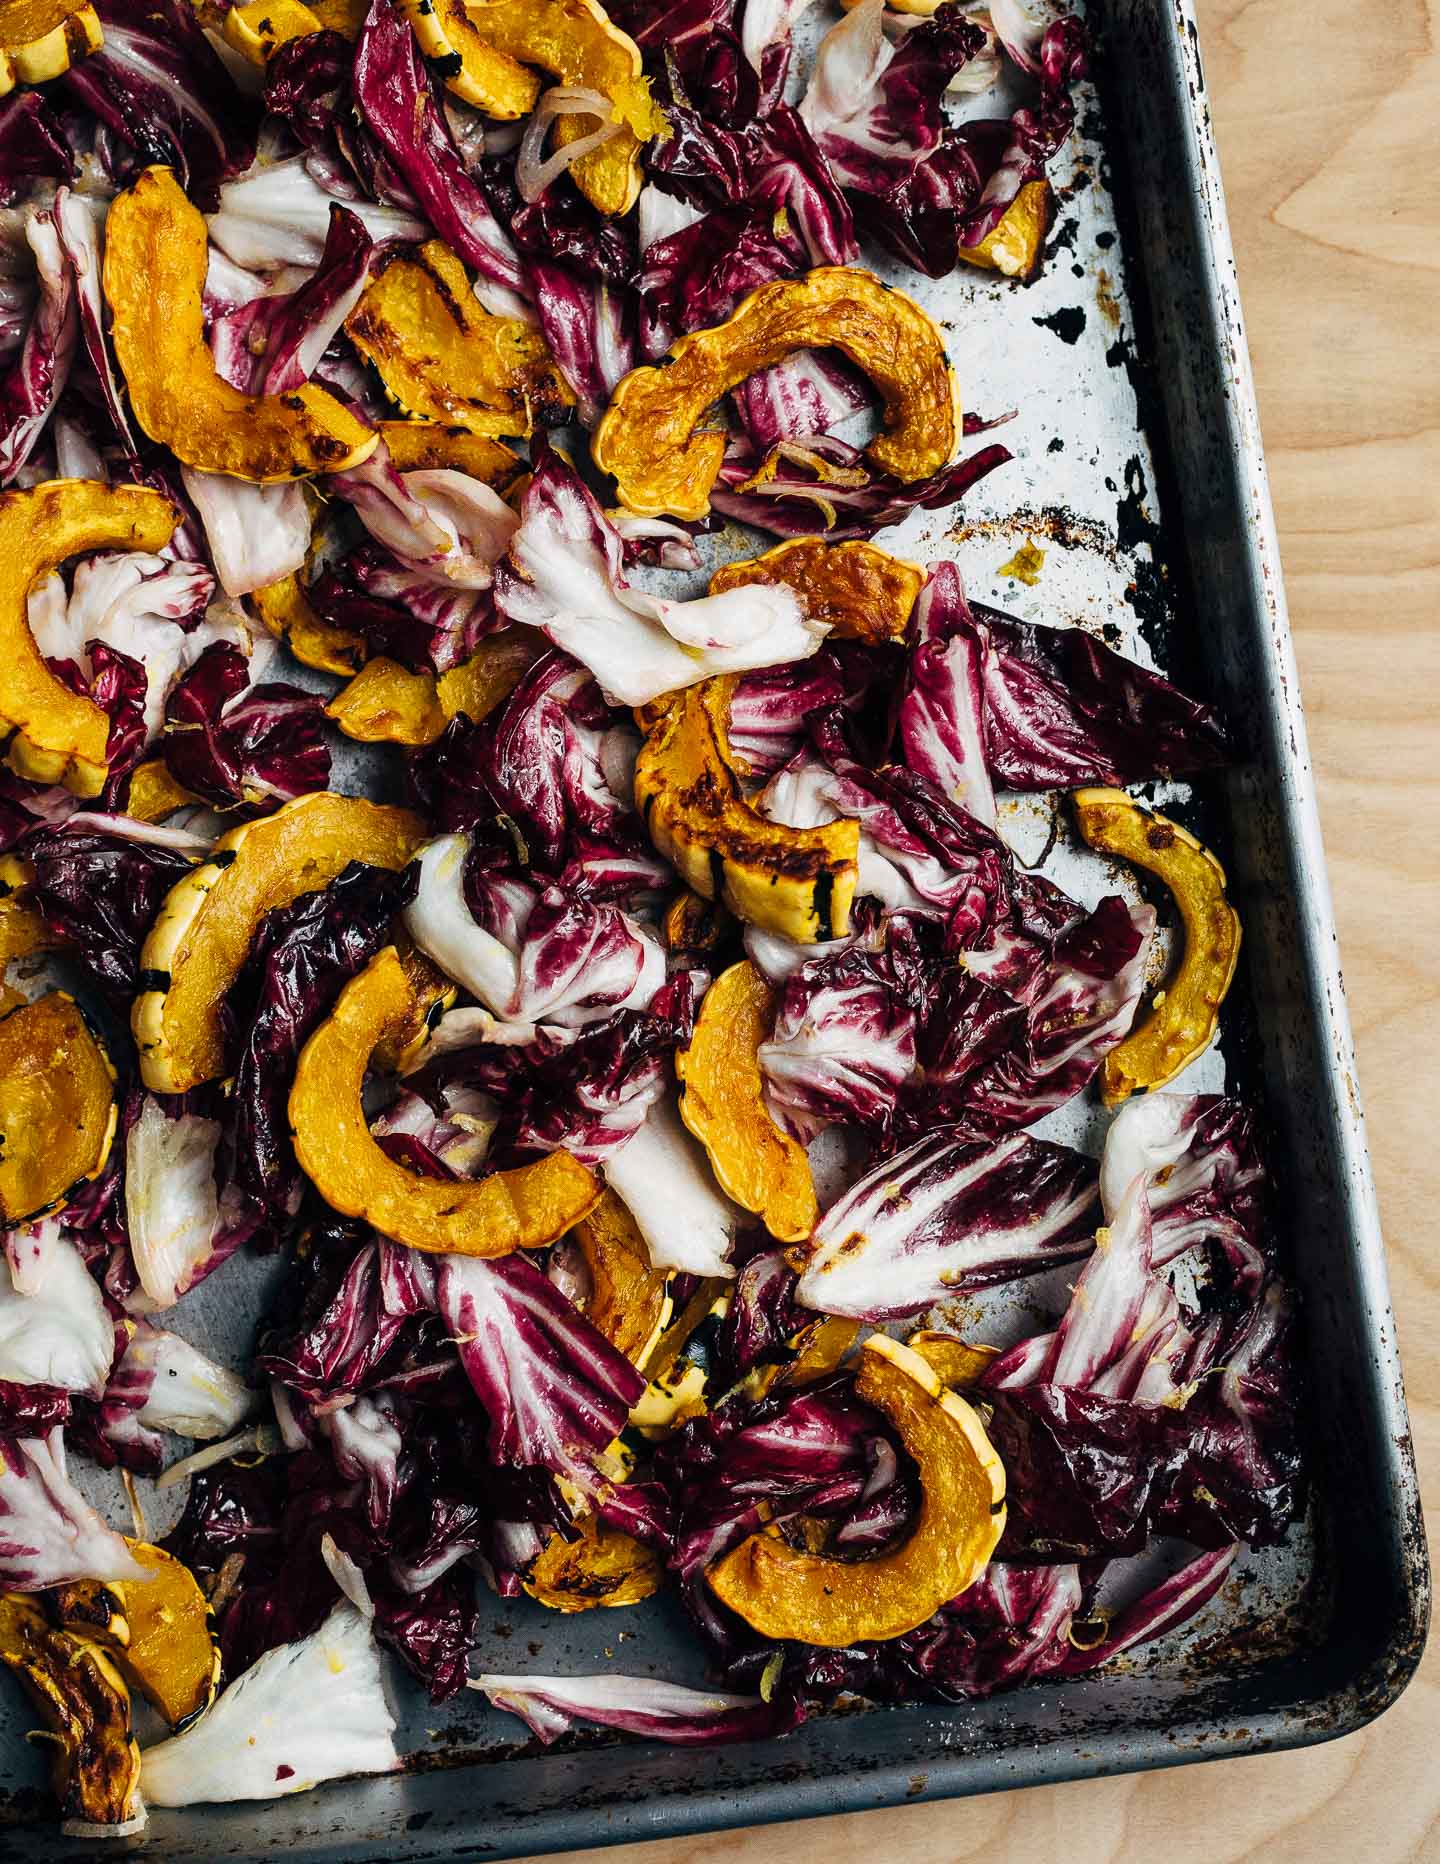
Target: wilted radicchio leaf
x,y
33,146
158,86
256,534
589,327
941,718
231,742
639,1705
99,894
825,485
278,215
770,711
405,612
394,97
275,342
301,958
810,392
49,1533
160,1382
32,384
945,1217
77,224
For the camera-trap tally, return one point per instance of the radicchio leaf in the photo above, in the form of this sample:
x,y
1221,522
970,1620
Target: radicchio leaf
x,y
49,1533
231,742
31,386
638,1705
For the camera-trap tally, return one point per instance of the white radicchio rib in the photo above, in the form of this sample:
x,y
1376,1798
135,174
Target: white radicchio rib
x,y
564,575
640,1705
256,533
300,1714
278,215
61,1333
944,1216
172,1385
49,1533
171,1204
664,1180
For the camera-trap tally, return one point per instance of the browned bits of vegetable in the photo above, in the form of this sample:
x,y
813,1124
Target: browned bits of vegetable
x,y
817,1599
647,438
40,39
627,1301
722,1101
156,252
158,1631
863,593
694,927
57,1106
285,609
602,1567
1015,245
387,703
1183,1017
61,736
95,1764
203,932
443,357
798,882
526,1208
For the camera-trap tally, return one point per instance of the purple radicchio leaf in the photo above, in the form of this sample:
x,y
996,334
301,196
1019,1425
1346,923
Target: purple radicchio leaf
x,y
942,715
32,384
944,1217
696,277
49,1533
394,97
99,894
157,85
639,1705
346,1308
810,392
770,711
403,612
77,226
33,146
825,485
231,742
180,1228
589,326
299,961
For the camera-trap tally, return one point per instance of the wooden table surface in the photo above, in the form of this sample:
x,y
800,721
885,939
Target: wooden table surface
x,y
1328,120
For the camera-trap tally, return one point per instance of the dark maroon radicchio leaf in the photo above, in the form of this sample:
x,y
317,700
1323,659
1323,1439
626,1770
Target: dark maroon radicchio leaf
x,y
639,1705
300,960
32,1410
99,894
33,146
231,742
158,87
426,625
307,83
826,485
395,99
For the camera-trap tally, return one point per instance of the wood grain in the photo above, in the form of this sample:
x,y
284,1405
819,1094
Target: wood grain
x,y
1328,120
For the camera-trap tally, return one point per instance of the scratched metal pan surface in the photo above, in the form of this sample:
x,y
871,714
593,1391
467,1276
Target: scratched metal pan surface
x,y
1137,505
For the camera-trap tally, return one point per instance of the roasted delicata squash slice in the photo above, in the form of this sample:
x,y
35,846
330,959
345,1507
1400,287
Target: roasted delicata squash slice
x,y
61,736
156,252
648,436
953,1361
817,1599
526,1208
429,445
386,703
574,40
255,29
442,356
57,1105
159,1631
627,1301
603,1566
1183,1017
285,609
40,39
798,882
152,793
202,935
1015,245
864,594
23,934
95,1764
722,1101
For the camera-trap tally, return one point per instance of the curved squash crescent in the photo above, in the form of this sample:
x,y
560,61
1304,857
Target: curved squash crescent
x,y
156,252
647,437
61,735
862,592
40,39
203,932
817,1599
526,1208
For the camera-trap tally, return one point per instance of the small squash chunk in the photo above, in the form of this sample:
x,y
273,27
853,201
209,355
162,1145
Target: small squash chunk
x,y
423,445
575,40
627,1301
95,1764
817,1599
386,703
156,251
722,1101
61,736
57,1106
1015,245
159,1631
954,1362
40,39
442,356
798,882
152,793
863,593
1184,1016
473,71
648,437
603,1567
23,934
202,935
526,1208
693,928
285,610
255,29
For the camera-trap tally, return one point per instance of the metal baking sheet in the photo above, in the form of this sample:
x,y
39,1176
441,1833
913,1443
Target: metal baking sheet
x,y
1139,479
